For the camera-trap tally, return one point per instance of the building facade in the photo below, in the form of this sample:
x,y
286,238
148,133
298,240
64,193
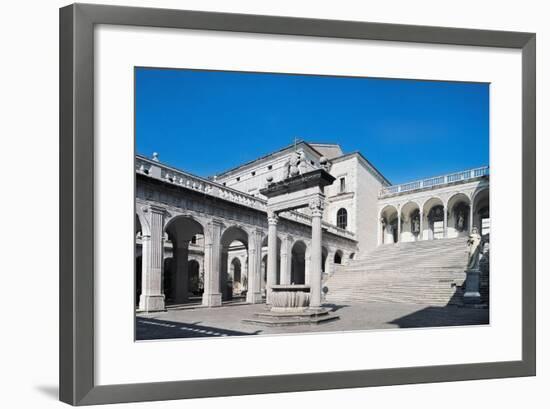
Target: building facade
x,y
205,239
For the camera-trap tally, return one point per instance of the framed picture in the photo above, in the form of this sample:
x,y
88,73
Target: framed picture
x,y
255,204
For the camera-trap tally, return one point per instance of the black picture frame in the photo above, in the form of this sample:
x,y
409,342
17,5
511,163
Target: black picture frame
x,y
77,386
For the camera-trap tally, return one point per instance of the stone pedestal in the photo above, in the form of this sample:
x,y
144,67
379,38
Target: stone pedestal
x,y
290,305
472,284
290,298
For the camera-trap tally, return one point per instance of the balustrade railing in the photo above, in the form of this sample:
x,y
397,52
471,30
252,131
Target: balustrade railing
x,y
435,181
178,177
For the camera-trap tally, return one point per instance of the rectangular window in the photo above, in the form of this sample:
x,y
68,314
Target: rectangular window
x,y
342,185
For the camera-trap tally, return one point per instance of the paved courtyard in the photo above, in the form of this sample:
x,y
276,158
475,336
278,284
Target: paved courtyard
x,y
189,322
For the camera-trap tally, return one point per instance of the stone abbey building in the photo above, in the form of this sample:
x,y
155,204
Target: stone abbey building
x,y
205,240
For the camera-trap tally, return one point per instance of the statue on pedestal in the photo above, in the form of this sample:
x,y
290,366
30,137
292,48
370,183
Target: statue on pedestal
x,y
474,249
460,221
293,165
416,224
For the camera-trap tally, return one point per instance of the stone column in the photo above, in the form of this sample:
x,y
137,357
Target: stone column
x,y
399,225
421,234
316,206
152,298
380,232
471,217
272,219
445,221
254,292
286,259
212,252
181,275
307,265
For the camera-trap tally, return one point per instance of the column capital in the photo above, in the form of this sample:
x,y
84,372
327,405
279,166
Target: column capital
x,y
272,217
154,209
286,236
317,205
216,222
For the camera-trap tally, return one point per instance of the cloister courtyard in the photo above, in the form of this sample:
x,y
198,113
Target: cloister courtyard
x,y
191,321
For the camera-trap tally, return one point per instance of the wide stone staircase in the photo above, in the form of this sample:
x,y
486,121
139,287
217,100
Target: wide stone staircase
x,y
424,272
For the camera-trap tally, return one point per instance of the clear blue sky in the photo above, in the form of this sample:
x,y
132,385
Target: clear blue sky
x,y
206,122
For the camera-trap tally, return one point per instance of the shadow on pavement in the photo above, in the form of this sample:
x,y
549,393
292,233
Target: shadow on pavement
x,y
443,317
335,307
150,328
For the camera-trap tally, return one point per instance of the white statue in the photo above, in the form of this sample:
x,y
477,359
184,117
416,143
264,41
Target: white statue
x,y
416,224
460,221
474,249
294,165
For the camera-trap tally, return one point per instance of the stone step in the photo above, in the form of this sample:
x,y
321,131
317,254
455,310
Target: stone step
x,y
426,272
284,319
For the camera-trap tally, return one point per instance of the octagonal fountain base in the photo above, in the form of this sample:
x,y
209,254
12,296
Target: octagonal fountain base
x,y
290,306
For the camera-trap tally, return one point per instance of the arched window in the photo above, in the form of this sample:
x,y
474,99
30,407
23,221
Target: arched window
x,y
342,218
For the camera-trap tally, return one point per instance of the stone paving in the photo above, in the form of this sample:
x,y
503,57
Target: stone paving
x,y
192,322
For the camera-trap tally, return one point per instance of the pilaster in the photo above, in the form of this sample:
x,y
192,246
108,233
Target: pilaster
x,y
212,296
152,298
254,294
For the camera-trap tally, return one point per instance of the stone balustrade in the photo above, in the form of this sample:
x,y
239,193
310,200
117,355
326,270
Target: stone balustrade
x,y
157,170
435,181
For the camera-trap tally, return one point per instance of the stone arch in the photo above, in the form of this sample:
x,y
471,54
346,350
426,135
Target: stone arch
x,y
183,228
388,217
179,230
338,257
434,218
235,271
233,243
481,210
458,210
410,221
298,263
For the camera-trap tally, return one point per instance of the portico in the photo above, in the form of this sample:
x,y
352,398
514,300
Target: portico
x,y
443,207
190,231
